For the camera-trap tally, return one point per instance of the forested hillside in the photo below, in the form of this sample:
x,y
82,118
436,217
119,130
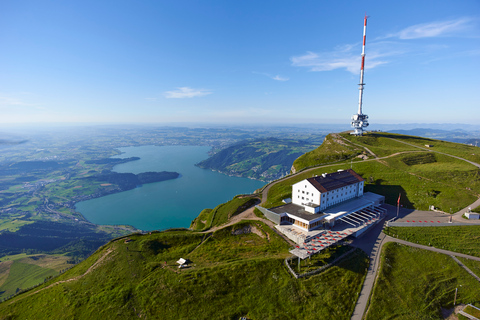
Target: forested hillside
x,y
263,159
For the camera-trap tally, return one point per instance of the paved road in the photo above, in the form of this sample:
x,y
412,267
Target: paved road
x,y
372,243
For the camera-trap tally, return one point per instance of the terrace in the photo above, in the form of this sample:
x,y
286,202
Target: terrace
x,y
353,224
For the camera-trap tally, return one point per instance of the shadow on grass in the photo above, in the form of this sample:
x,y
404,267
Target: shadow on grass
x,y
391,193
401,137
155,246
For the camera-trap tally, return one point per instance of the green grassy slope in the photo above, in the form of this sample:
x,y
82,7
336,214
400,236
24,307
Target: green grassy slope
x,y
21,272
415,284
462,239
23,276
232,273
424,178
220,214
333,149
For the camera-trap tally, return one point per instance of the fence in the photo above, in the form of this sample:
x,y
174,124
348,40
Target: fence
x,y
317,270
426,224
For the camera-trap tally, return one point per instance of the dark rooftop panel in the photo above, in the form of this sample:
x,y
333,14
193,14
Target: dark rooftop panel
x,y
335,180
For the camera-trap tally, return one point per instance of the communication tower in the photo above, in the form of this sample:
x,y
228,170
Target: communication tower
x,y
360,120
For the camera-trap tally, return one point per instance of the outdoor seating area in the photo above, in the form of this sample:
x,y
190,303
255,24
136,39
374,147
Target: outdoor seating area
x,y
356,224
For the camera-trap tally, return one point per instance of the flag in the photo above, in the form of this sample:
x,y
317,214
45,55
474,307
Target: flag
x,y
398,201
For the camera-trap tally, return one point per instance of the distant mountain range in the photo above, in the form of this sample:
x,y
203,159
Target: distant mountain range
x,y
459,136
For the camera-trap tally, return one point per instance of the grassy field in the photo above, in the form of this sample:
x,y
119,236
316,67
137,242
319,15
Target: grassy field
x,y
462,239
233,207
382,144
220,214
473,265
234,272
21,272
379,143
318,260
333,149
423,178
13,223
421,185
203,220
416,284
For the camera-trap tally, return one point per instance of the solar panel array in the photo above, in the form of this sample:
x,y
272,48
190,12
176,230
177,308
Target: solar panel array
x,y
335,180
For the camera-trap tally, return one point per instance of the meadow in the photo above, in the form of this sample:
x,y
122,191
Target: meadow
x,y
416,284
422,178
222,213
23,271
462,239
234,272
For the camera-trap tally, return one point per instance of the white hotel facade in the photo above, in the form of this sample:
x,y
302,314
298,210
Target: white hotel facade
x,y
320,192
322,200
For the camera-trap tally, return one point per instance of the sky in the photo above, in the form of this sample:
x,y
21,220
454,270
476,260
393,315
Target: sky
x,y
233,62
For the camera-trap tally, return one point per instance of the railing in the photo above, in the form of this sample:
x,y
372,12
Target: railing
x,y
316,270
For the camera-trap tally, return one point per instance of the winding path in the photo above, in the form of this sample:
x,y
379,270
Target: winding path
x,y
90,269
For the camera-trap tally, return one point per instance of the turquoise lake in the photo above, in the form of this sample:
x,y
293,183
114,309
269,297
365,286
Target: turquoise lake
x,y
166,204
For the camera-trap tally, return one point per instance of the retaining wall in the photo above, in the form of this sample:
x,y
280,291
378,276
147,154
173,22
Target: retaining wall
x,y
272,216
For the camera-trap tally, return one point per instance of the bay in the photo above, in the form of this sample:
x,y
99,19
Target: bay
x,y
166,204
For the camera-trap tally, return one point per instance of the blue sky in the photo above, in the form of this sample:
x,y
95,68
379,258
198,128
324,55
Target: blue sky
x,y
238,61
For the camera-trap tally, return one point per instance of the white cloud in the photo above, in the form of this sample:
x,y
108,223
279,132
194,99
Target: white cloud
x,y
340,58
434,29
277,77
280,78
348,57
186,92
17,101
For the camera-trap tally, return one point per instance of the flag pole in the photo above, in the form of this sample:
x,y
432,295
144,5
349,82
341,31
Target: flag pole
x,y
398,204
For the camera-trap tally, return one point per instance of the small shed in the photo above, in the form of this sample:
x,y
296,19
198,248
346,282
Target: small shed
x,y
472,215
182,262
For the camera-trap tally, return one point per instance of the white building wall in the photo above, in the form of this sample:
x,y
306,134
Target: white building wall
x,y
304,192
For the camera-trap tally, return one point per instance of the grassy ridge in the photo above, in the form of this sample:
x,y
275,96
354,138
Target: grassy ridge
x,y
420,185
423,178
333,149
25,271
462,239
232,273
415,284
220,214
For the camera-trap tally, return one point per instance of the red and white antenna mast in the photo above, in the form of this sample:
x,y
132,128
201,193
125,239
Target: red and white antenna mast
x,y
360,120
